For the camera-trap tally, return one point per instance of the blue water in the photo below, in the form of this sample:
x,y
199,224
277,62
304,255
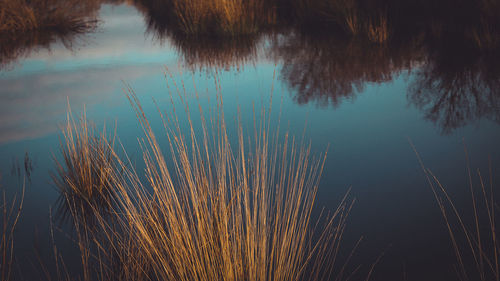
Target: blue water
x,y
368,134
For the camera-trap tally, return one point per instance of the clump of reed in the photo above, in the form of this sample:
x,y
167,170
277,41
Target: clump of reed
x,y
220,17
16,16
27,16
349,17
243,17
214,207
227,213
475,242
82,175
29,25
194,16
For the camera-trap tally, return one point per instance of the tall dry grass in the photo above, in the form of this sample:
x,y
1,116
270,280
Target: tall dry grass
x,y
194,16
475,242
244,17
82,176
215,206
10,211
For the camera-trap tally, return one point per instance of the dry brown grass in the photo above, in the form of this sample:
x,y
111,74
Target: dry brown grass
x,y
212,208
227,214
243,17
26,16
28,26
16,15
222,17
82,177
194,16
475,243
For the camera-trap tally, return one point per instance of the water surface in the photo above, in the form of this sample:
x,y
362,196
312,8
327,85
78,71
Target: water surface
x,y
363,101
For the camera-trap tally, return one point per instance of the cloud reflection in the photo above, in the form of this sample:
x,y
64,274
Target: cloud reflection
x,y
33,106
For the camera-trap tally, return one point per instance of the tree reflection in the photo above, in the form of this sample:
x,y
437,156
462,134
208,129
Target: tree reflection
x,y
329,70
454,88
325,48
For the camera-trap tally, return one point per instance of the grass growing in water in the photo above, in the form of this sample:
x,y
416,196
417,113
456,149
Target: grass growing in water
x,y
10,211
26,26
83,176
228,17
476,244
212,208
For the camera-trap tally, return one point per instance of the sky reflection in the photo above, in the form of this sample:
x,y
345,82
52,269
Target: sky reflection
x,y
365,102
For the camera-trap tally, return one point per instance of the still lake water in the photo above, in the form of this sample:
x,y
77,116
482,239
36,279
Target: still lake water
x,y
366,113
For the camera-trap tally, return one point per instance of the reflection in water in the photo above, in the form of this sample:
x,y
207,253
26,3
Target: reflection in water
x,y
217,53
453,81
17,47
327,67
208,18
457,88
18,120
25,169
453,88
328,70
335,65
84,175
26,26
199,51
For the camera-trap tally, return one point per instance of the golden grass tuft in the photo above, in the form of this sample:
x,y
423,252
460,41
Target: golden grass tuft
x,y
212,208
227,213
83,176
